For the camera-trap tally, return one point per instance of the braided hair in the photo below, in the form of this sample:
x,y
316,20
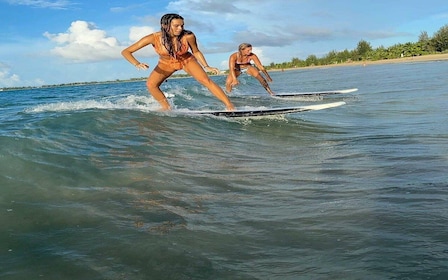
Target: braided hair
x,y
165,23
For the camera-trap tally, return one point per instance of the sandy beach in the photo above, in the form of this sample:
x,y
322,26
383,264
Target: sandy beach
x,y
429,57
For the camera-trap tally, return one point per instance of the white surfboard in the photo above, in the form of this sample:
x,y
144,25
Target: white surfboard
x,y
266,111
314,93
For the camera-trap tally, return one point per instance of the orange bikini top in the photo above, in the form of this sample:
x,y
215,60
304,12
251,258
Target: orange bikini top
x,y
162,51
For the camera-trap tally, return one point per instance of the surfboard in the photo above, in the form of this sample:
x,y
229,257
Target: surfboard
x,y
267,111
314,93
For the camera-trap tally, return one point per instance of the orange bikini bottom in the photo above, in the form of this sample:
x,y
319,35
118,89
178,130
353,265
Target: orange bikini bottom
x,y
178,63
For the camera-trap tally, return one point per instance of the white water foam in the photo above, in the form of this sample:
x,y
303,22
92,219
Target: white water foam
x,y
131,102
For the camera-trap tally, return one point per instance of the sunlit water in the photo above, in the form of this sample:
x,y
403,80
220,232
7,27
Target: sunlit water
x,y
96,183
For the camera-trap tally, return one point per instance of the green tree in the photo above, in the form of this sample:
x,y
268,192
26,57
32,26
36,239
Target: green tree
x,y
424,42
423,37
440,39
330,58
363,48
364,51
312,60
344,56
379,53
295,62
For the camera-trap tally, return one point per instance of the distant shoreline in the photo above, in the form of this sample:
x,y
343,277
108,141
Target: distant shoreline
x,y
422,58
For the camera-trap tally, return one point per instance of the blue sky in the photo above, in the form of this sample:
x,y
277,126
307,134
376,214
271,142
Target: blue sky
x,y
62,41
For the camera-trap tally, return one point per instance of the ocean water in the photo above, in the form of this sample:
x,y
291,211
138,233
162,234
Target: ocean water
x,y
96,183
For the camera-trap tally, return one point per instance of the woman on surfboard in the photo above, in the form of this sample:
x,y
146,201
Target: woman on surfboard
x,y
173,44
240,62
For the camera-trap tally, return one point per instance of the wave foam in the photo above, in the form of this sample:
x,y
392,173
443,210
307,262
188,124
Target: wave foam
x,y
131,102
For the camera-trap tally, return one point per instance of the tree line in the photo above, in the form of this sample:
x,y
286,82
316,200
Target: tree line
x,y
438,43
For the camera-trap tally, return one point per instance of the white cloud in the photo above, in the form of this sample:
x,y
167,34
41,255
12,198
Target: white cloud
x,y
130,7
207,7
259,52
7,79
137,32
83,42
58,4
